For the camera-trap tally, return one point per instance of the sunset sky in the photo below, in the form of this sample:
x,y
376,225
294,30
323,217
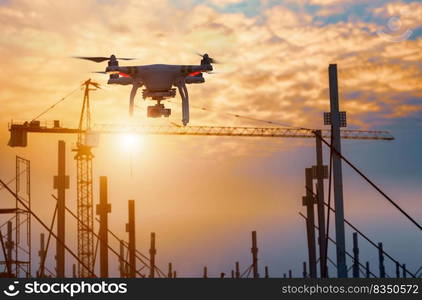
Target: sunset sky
x,y
204,195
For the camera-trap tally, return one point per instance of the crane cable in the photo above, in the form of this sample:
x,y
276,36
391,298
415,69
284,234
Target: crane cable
x,y
369,181
54,105
243,117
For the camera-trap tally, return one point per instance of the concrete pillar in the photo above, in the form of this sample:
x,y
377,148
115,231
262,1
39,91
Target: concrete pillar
x,y
61,183
170,272
41,254
320,176
305,275
309,202
337,173
152,253
368,272
102,210
355,256
130,228
254,251
381,260
122,263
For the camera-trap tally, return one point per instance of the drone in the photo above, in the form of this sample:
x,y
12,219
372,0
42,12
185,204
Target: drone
x,y
159,81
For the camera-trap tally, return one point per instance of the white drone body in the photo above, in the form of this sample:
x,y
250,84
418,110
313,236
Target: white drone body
x,y
159,81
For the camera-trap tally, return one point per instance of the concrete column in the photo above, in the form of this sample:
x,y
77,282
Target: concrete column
x,y
381,260
355,256
337,174
237,270
309,202
254,251
61,183
122,263
152,253
130,228
102,210
320,204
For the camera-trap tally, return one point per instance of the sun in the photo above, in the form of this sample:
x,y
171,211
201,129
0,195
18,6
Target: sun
x,y
130,141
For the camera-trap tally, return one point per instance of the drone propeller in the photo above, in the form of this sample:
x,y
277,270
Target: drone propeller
x,y
207,58
99,59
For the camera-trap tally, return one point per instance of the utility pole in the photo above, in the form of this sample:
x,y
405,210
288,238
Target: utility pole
x,y
309,202
320,172
152,253
102,210
254,251
337,172
61,183
130,228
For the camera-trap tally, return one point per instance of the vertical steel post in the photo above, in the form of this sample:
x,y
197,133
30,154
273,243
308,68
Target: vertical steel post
x,y
404,271
381,260
290,274
267,275
152,252
309,202
61,183
355,256
320,204
304,270
254,251
41,254
237,273
337,173
205,272
130,228
397,269
102,210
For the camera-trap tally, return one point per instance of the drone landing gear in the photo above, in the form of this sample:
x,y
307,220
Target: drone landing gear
x,y
183,91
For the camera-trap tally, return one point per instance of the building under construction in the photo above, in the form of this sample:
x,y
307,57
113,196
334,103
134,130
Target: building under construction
x,y
95,236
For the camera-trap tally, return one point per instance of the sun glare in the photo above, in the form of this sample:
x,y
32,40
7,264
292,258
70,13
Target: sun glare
x,y
130,141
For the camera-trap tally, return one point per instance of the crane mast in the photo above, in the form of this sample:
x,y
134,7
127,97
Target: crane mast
x,y
83,159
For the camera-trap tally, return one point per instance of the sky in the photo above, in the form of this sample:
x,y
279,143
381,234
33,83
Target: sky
x,y
204,195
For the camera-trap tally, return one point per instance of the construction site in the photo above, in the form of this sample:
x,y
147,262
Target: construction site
x,y
94,248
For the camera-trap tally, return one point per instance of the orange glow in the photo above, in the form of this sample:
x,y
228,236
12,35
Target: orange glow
x,y
130,142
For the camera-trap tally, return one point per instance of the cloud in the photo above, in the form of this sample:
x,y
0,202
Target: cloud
x,y
275,64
